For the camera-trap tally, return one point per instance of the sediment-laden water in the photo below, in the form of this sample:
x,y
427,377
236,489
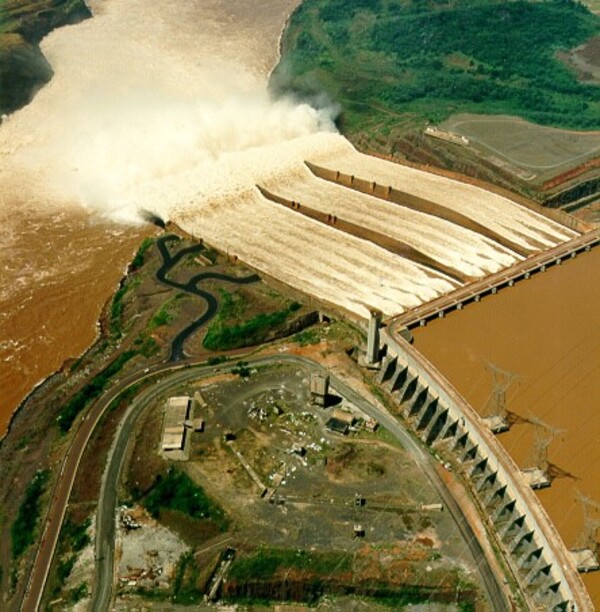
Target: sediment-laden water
x,y
137,90
546,332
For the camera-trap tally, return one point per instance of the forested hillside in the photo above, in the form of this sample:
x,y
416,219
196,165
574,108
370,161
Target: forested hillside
x,y
427,59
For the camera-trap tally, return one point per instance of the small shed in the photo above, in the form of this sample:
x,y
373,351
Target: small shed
x,y
337,426
344,416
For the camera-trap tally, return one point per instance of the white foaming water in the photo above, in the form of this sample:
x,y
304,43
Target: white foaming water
x,y
163,106
466,251
147,92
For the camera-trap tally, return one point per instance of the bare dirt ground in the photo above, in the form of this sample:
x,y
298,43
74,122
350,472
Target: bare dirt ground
x,y
593,5
339,604
312,491
585,60
541,151
147,555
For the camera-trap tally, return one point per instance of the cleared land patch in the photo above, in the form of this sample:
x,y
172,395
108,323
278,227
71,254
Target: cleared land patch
x,y
542,150
585,60
308,535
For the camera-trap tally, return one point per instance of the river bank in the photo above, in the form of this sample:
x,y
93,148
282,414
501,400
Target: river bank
x,y
62,253
23,24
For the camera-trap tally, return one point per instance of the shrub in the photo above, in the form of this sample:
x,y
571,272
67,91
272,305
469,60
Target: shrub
x,y
23,529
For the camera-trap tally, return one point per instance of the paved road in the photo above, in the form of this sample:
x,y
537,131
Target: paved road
x,y
105,527
192,286
107,503
62,491
428,465
467,292
56,512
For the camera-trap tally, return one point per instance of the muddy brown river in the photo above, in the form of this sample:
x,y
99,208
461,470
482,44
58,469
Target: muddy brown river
x,y
76,165
546,332
68,158
58,268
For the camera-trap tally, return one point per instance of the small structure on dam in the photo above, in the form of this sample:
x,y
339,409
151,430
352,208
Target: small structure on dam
x,y
176,413
546,571
372,356
496,416
319,389
586,560
585,555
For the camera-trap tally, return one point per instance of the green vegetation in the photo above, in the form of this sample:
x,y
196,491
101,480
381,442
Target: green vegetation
x,y
221,337
77,594
73,539
65,568
24,441
165,315
116,307
267,562
232,305
176,491
91,391
308,336
185,589
241,369
146,345
116,310
75,535
216,360
423,60
23,530
138,260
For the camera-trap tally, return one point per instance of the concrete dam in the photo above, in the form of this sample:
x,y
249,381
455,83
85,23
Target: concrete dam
x,y
357,232
442,419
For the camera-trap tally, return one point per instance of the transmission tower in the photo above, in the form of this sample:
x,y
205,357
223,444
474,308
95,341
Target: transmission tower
x,y
495,405
543,437
588,536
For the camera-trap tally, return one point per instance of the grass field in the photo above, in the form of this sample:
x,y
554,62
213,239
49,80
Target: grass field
x,y
543,151
393,61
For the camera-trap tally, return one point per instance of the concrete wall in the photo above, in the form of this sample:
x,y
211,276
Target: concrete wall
x,y
525,529
413,202
390,244
559,216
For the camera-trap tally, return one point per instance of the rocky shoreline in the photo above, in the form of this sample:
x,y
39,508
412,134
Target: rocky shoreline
x,y
23,24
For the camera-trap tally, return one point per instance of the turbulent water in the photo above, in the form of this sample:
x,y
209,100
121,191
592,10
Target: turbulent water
x,y
142,90
164,106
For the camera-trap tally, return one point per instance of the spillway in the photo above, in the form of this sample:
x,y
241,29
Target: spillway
x,y
465,250
335,267
521,225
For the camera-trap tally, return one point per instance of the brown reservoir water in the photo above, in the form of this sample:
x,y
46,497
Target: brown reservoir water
x,y
546,330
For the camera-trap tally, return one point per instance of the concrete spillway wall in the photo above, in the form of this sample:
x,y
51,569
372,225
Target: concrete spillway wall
x,y
440,416
416,203
490,284
555,214
387,242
